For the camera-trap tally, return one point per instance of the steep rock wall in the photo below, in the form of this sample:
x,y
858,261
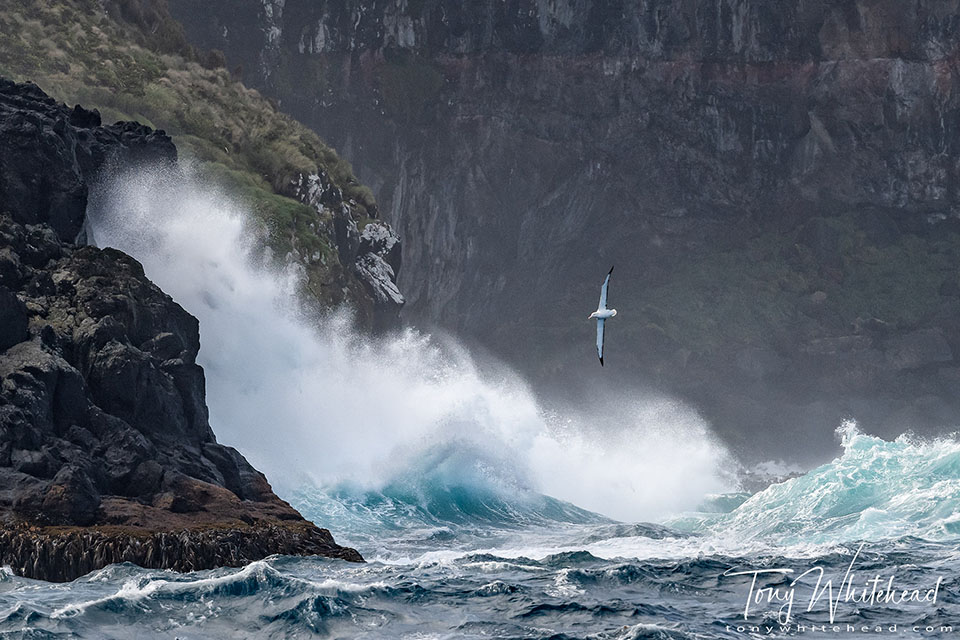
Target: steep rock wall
x,y
106,452
776,181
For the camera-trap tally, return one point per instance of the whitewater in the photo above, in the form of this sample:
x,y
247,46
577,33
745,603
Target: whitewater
x,y
482,513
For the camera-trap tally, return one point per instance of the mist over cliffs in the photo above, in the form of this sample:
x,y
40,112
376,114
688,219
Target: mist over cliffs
x,y
776,182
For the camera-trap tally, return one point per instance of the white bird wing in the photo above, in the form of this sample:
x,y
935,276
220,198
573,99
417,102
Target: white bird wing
x,y
600,340
603,291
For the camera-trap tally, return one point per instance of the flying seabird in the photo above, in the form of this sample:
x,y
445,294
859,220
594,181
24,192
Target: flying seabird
x,y
601,314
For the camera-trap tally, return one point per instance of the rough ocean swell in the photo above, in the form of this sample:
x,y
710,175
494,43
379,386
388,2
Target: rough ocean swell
x,y
456,564
480,514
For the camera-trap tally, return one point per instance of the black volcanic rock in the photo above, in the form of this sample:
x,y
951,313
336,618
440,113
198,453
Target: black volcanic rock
x,y
106,452
48,153
13,319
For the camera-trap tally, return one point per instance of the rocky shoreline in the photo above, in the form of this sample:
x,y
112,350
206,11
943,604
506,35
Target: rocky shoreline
x,y
59,554
106,452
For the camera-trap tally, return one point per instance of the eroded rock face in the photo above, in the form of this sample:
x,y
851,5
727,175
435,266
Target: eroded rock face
x,y
106,452
103,424
49,153
522,147
377,265
374,255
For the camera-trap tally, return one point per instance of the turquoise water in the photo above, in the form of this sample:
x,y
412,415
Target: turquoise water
x,y
481,513
454,556
877,490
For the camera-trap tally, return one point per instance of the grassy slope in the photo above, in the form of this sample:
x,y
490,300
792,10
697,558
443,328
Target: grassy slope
x,y
132,63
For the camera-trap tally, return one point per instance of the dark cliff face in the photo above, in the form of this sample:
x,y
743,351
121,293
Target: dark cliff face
x,y
106,453
50,153
776,182
372,254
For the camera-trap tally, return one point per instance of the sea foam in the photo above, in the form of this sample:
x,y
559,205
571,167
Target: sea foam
x,y
309,401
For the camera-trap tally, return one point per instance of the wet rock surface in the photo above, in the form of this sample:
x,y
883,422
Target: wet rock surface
x,y
106,452
373,255
62,554
49,154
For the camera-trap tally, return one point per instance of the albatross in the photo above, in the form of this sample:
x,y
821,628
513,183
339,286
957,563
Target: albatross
x,y
602,314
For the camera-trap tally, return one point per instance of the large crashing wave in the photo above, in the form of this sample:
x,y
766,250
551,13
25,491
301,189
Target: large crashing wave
x,y
310,402
876,490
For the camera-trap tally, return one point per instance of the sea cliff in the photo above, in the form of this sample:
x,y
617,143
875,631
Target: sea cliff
x,y
106,452
774,179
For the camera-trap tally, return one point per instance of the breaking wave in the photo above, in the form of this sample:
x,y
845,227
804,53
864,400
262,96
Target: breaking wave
x,y
876,490
407,417
477,510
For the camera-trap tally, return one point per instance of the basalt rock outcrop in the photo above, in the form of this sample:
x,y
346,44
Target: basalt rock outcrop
x,y
372,255
776,181
49,154
106,452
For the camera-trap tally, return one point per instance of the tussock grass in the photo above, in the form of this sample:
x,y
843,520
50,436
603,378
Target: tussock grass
x,y
130,60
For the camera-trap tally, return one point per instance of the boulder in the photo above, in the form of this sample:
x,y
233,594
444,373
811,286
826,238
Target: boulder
x,y
71,498
376,266
49,154
380,239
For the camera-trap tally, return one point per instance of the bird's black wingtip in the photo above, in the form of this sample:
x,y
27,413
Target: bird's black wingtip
x,y
611,271
601,361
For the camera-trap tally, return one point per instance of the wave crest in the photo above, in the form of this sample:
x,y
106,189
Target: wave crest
x,y
346,408
876,490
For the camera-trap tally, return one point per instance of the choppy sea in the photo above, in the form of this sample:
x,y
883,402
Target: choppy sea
x,y
866,545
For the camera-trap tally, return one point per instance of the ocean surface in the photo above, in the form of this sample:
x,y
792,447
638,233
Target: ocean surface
x,y
469,561
482,513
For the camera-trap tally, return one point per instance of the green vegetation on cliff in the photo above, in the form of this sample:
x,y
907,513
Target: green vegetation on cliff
x,y
131,61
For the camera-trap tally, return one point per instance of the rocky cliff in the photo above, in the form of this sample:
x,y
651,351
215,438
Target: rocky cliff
x,y
776,181
129,59
106,453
